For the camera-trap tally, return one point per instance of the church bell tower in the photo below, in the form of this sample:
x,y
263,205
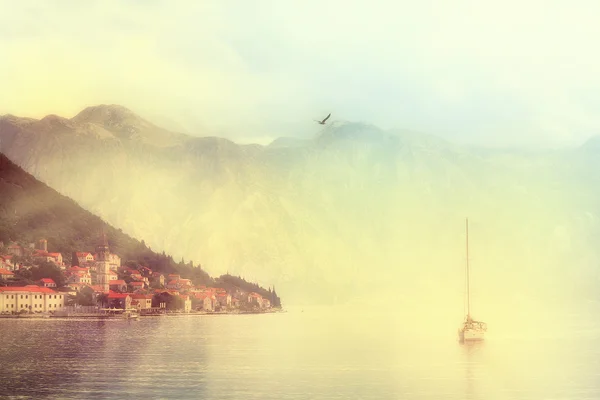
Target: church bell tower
x,y
103,263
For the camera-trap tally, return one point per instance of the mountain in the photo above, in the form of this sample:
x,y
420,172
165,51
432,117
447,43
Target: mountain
x,y
30,210
592,144
355,210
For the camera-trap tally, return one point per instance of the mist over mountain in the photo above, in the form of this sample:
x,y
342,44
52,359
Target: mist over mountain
x,y
356,212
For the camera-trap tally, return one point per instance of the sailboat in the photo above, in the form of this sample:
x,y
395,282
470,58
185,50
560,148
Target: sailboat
x,y
471,329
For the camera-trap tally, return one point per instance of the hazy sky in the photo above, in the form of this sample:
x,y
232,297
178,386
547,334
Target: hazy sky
x,y
489,72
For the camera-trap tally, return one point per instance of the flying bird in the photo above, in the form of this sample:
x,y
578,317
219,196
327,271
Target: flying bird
x,y
323,122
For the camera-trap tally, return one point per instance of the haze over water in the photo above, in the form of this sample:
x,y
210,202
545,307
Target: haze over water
x,y
363,211
311,353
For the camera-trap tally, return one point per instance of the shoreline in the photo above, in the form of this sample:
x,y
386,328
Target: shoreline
x,y
89,316
216,313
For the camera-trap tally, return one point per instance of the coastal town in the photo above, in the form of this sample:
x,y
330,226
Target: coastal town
x,y
98,281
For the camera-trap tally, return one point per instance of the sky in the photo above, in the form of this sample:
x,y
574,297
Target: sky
x,y
493,73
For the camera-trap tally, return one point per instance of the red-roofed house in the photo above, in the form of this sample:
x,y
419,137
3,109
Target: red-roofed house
x,y
47,282
223,299
84,257
119,300
5,274
79,275
30,298
117,284
77,269
136,275
173,284
204,301
41,256
56,258
141,301
255,298
97,288
185,283
112,275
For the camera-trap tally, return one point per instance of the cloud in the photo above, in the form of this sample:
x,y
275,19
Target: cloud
x,y
494,73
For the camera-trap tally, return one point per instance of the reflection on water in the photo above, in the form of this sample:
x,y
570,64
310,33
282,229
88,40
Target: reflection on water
x,y
328,354
471,351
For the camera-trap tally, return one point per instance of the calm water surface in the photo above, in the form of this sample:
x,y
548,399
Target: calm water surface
x,y
317,354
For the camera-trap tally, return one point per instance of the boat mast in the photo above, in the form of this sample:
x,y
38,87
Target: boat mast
x,y
468,289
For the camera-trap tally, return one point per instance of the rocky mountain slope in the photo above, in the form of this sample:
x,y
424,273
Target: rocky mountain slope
x,y
30,210
355,210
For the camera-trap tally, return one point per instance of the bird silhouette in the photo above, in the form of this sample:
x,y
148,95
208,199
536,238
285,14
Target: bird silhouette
x,y
323,122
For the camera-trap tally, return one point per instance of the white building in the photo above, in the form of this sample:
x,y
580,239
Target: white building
x,y
79,275
187,303
115,262
205,301
30,298
141,301
84,258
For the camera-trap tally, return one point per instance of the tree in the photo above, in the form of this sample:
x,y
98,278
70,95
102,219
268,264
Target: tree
x,y
71,300
177,303
74,260
275,300
156,285
47,270
18,260
102,299
160,298
172,302
131,264
85,297
23,275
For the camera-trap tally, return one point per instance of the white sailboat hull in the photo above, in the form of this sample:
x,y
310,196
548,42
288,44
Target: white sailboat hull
x,y
471,335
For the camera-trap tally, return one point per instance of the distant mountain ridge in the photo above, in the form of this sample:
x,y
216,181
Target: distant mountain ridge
x,y
327,216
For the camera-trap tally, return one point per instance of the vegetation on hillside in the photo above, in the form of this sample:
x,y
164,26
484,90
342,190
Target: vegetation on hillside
x,y
44,270
30,211
230,282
